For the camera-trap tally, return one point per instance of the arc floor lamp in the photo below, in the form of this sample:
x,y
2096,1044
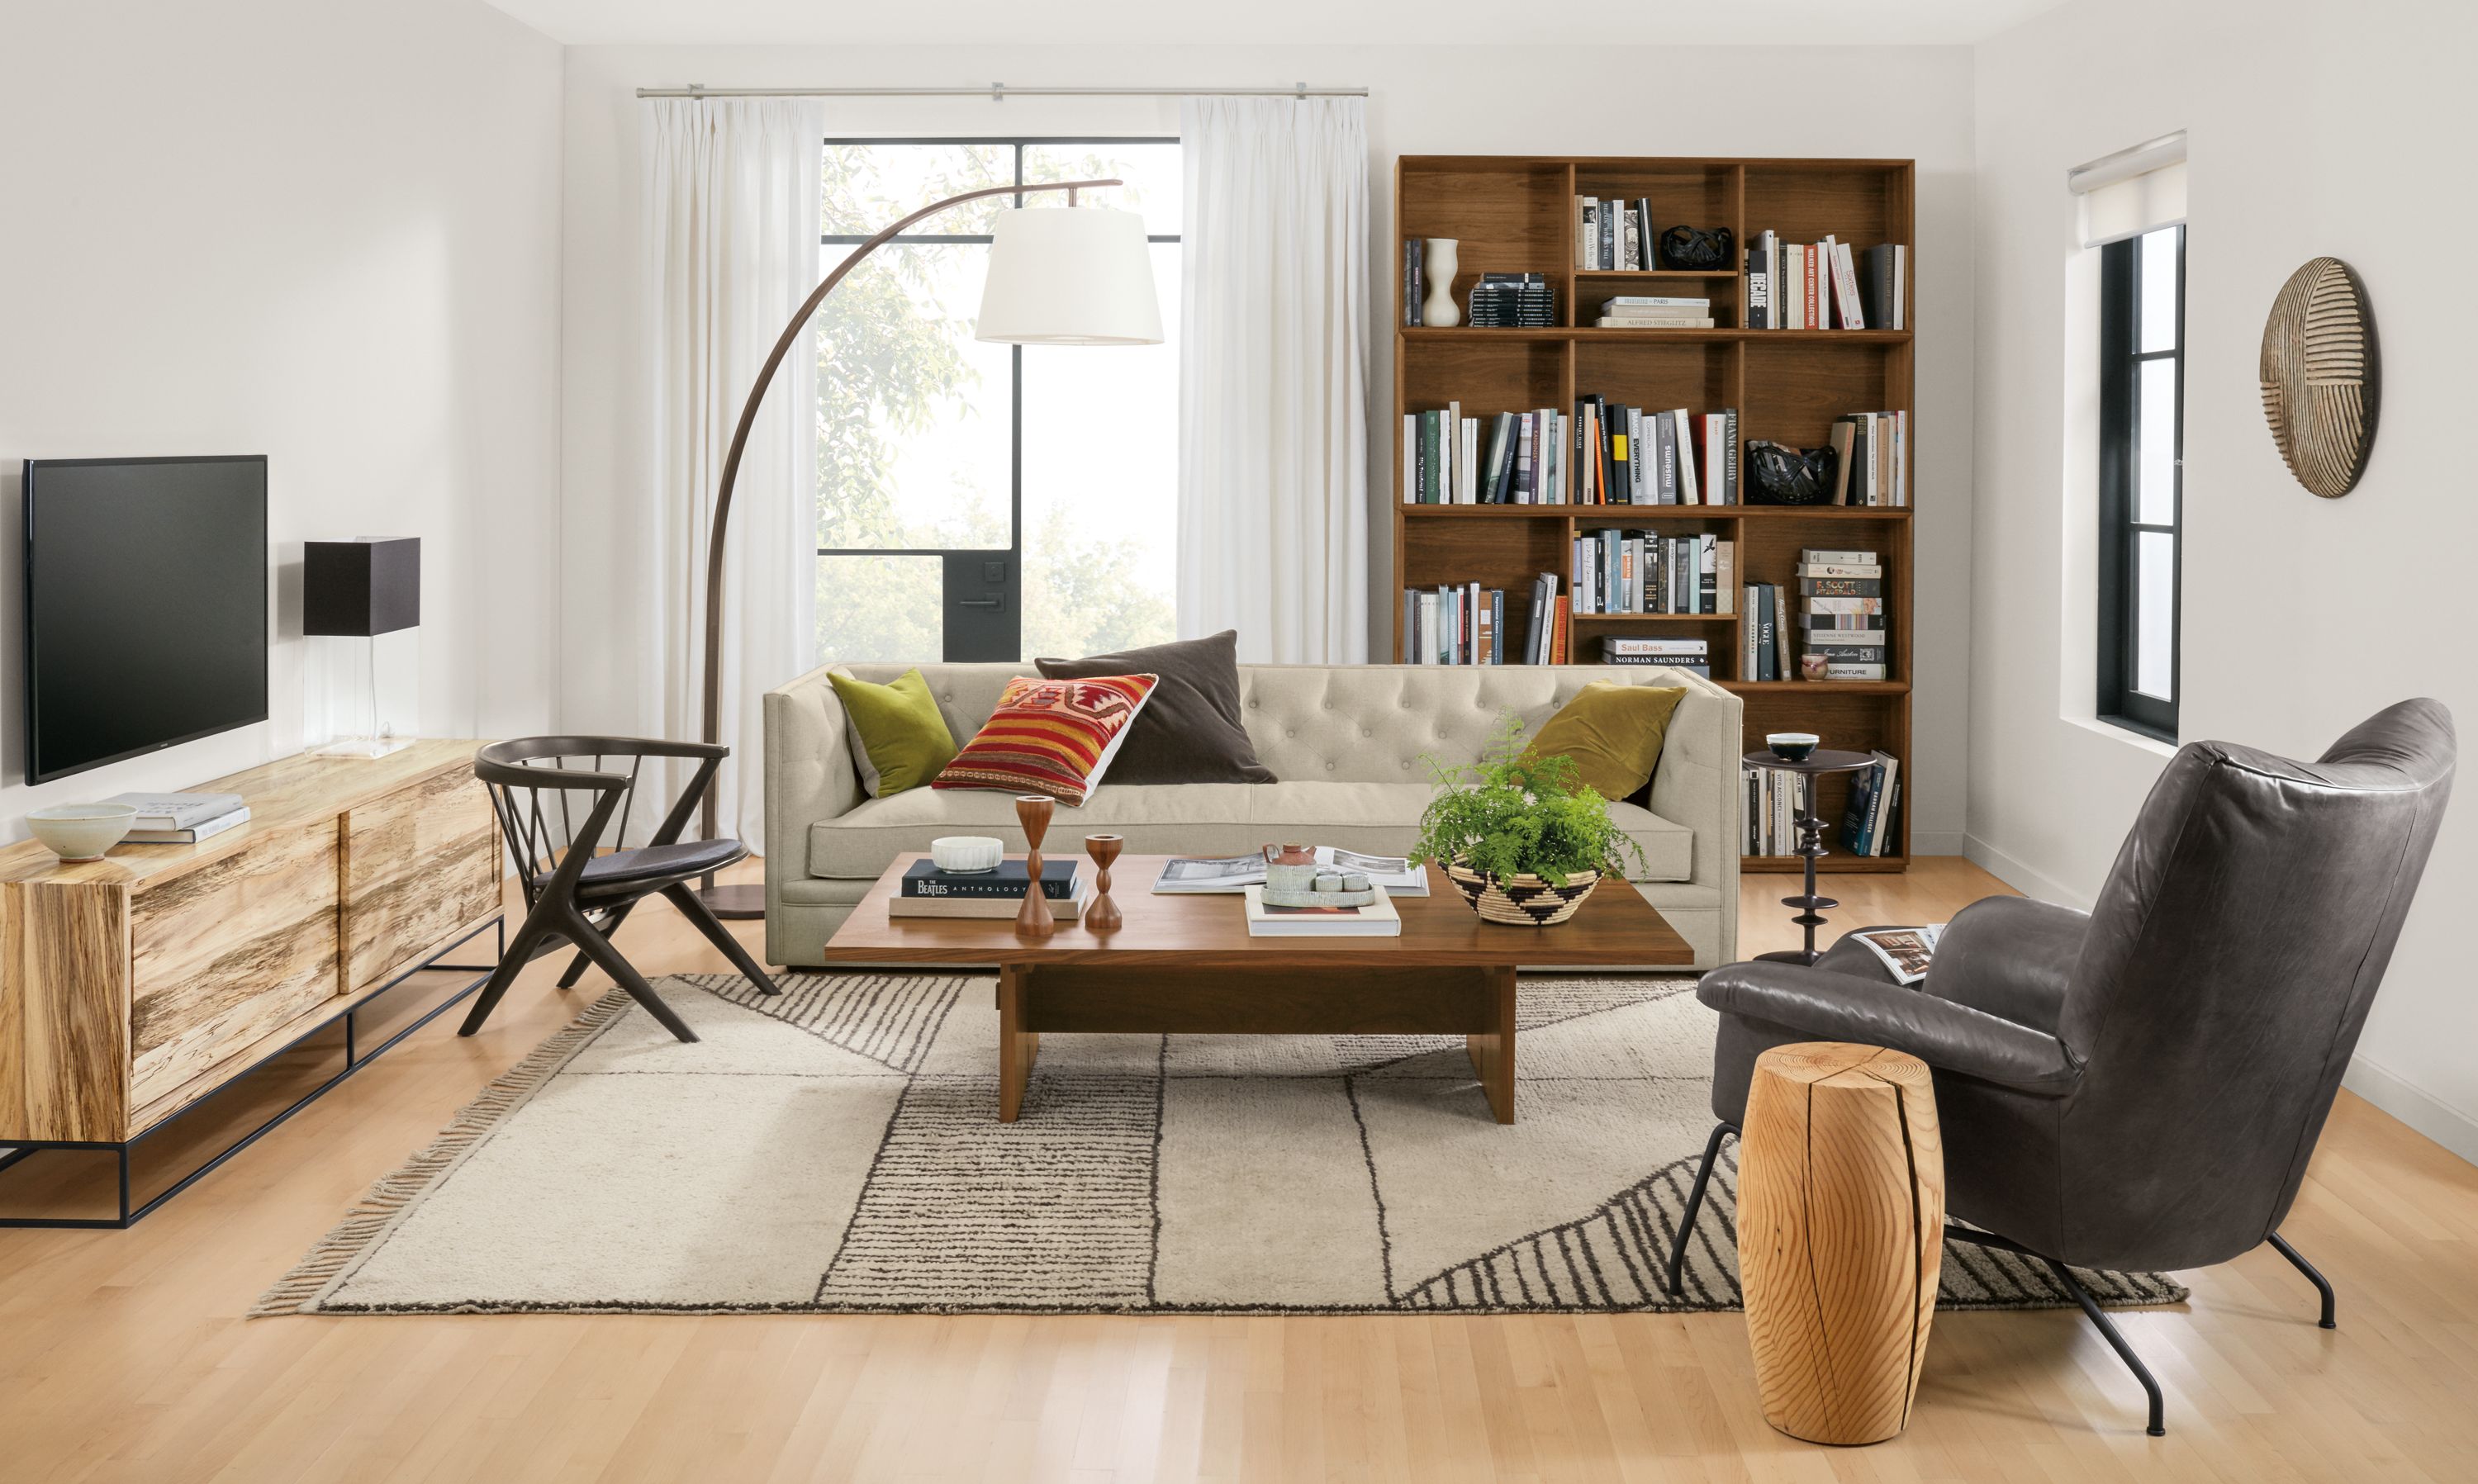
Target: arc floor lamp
x,y
1075,277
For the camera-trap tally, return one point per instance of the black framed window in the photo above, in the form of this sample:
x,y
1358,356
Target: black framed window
x,y
2142,478
975,501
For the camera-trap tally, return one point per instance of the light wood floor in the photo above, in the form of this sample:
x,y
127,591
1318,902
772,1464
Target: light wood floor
x,y
124,1355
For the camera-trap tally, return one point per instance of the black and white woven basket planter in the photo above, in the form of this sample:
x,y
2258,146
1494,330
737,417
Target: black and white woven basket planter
x,y
1525,900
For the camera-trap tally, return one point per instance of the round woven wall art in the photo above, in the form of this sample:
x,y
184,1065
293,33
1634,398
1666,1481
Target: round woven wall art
x,y
2319,376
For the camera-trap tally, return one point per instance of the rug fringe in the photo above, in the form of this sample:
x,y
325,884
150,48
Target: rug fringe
x,y
386,1201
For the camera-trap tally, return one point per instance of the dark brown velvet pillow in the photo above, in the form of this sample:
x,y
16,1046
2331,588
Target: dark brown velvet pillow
x,y
1189,732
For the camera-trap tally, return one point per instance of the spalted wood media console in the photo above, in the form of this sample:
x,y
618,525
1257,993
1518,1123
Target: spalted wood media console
x,y
134,985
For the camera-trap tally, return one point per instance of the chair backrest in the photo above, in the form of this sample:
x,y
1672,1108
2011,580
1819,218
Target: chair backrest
x,y
2231,959
562,799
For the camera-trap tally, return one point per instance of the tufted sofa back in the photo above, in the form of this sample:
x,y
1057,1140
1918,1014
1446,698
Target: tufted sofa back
x,y
1355,723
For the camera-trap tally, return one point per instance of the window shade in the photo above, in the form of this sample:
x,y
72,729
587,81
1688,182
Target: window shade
x,y
2132,192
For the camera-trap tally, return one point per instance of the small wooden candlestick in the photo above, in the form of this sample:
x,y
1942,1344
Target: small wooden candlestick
x,y
1033,919
1103,915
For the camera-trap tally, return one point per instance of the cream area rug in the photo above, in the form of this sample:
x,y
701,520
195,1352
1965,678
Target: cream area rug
x,y
836,1149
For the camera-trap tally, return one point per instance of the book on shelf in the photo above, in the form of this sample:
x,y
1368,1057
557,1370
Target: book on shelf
x,y
1504,300
1634,456
1185,876
1376,919
1642,572
1686,654
1502,459
1851,642
1615,236
1414,276
1459,624
1823,286
1774,798
1871,459
1868,823
1652,311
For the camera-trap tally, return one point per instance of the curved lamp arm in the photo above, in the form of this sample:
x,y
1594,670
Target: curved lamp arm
x,y
748,418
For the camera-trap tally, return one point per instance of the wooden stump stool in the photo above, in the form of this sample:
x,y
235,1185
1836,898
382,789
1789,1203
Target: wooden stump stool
x,y
1840,1222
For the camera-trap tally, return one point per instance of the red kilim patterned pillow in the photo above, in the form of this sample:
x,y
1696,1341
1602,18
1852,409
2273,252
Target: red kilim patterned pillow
x,y
1053,736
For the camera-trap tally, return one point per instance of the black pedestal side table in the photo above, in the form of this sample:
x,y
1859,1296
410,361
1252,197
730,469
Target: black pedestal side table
x,y
1810,839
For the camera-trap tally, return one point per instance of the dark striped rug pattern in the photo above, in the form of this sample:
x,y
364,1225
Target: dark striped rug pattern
x,y
889,1018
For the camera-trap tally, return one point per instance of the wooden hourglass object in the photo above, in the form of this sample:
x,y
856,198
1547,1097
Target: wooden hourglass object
x,y
1033,919
1103,915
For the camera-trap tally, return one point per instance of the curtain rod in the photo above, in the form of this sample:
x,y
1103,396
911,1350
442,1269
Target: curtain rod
x,y
997,92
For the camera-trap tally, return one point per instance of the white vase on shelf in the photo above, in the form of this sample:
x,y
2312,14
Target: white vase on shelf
x,y
1439,271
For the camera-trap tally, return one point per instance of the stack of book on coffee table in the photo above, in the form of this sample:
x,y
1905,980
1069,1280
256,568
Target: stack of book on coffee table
x,y
928,891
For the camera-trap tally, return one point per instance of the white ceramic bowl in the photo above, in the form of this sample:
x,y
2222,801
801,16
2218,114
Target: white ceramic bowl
x,y
967,852
80,832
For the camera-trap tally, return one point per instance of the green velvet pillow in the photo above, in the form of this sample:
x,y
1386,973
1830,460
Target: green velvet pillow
x,y
1613,731
898,737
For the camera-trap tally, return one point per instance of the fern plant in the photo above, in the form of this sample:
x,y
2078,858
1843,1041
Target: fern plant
x,y
1513,812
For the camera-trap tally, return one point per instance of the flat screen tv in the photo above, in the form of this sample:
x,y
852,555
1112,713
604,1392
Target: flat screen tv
x,y
145,606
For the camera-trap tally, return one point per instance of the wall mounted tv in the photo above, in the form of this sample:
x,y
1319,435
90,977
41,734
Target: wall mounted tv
x,y
145,606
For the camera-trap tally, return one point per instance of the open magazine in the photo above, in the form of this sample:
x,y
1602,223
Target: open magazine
x,y
1905,950
1235,873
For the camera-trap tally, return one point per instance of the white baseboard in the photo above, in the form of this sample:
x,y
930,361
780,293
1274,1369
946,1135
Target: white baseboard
x,y
2413,1106
1937,842
2020,877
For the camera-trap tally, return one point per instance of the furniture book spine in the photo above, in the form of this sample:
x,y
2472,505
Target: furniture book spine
x,y
1838,670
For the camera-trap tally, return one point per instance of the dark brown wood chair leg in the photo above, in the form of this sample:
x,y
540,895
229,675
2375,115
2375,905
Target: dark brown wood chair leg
x,y
693,908
598,947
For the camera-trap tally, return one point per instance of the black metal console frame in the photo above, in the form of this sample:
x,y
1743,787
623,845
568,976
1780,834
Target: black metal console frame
x,y
354,1061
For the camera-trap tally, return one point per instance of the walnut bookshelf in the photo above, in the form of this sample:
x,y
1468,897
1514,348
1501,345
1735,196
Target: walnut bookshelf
x,y
1516,214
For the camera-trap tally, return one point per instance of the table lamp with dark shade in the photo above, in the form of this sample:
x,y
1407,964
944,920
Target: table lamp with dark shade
x,y
360,610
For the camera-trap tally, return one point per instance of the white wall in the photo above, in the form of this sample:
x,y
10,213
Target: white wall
x,y
327,232
2301,615
1890,102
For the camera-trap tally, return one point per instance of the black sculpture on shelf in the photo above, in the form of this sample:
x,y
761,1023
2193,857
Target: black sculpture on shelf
x,y
1781,475
1698,249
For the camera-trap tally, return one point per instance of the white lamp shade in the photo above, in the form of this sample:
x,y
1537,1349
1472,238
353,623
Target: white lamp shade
x,y
1079,275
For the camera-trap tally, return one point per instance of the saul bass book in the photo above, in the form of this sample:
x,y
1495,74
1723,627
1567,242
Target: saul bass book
x,y
924,878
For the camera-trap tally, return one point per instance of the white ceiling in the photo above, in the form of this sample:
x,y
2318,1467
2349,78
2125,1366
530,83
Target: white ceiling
x,y
1268,22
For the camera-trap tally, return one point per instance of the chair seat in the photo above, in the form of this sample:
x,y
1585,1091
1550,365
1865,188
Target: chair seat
x,y
658,864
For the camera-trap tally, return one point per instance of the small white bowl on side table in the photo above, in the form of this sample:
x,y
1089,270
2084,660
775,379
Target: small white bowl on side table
x,y
82,832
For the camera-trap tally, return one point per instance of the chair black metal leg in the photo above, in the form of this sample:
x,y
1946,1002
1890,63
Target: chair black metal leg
x,y
577,966
696,912
518,951
2157,1426
598,947
2322,1285
1676,1275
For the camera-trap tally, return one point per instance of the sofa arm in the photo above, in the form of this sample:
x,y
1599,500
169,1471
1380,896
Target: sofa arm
x,y
2011,957
1843,1007
809,769
1695,783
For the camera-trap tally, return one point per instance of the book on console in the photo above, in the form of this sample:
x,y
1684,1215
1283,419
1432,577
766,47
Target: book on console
x,y
205,829
177,811
924,879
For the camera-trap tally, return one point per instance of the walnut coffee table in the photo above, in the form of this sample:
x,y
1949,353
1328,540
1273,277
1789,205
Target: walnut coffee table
x,y
1185,965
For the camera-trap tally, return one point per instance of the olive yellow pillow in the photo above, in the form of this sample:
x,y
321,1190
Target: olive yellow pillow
x,y
898,740
1613,732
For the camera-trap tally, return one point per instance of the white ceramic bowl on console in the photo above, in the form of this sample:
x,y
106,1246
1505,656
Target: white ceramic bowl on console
x,y
80,832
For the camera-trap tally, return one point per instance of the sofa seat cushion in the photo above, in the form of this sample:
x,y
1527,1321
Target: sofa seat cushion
x,y
1186,819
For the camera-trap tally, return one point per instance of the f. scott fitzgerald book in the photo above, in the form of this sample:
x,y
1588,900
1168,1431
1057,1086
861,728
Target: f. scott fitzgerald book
x,y
924,878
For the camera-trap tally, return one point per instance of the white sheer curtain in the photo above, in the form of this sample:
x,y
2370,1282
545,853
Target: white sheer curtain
x,y
1273,431
731,212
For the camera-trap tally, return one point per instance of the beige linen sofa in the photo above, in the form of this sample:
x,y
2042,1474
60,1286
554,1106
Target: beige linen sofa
x,y
1345,741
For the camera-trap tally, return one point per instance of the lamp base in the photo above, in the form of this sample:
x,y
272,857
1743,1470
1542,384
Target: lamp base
x,y
738,903
362,747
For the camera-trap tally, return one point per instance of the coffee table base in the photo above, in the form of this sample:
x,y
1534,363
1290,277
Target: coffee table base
x,y
1149,1000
